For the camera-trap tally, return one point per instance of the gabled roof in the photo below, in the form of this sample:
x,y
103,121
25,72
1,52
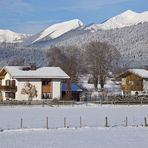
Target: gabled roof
x,y
143,73
73,86
43,72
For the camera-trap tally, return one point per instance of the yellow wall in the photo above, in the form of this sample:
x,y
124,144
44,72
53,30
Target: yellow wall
x,y
132,82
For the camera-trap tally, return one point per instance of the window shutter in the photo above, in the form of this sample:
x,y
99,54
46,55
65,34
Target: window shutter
x,y
13,83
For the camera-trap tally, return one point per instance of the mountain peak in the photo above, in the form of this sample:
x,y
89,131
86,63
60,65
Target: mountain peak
x,y
77,21
59,29
128,12
127,18
10,36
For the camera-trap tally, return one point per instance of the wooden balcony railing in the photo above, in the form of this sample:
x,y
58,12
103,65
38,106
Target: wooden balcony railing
x,y
8,88
46,88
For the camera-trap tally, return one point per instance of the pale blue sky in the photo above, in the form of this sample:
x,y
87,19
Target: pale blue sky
x,y
31,16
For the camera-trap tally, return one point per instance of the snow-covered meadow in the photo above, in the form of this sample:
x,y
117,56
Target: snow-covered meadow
x,y
130,137
93,133
92,116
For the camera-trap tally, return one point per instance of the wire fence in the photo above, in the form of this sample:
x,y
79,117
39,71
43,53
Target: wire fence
x,y
73,102
81,123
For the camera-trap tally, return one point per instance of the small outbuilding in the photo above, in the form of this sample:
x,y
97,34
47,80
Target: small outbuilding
x,y
74,90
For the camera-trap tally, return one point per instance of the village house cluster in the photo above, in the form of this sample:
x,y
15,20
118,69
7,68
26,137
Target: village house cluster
x,y
25,83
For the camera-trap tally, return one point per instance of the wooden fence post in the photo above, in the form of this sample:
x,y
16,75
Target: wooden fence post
x,y
65,124
106,122
101,101
128,103
145,122
141,101
126,121
21,124
80,121
47,122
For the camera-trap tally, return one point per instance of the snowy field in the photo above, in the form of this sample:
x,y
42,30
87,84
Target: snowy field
x,y
93,133
81,138
92,116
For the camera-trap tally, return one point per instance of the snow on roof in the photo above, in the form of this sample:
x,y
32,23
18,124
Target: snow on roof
x,y
43,72
73,86
143,73
140,72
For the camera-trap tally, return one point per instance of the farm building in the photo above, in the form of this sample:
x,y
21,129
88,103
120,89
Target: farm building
x,y
135,81
31,83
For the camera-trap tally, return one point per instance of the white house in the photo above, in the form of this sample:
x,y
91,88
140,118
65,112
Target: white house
x,y
29,83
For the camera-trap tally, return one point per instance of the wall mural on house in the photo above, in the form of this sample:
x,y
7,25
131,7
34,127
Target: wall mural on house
x,y
29,90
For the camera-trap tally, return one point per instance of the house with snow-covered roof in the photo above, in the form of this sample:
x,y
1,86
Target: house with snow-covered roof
x,y
31,83
135,81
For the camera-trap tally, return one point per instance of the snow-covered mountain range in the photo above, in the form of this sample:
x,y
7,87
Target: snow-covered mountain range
x,y
59,29
128,32
9,36
127,18
54,31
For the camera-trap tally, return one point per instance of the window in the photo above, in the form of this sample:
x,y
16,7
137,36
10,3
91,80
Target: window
x,y
123,81
10,83
7,95
46,95
7,82
10,95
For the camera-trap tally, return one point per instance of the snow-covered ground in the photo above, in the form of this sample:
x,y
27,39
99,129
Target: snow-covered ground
x,y
92,116
93,133
111,87
80,138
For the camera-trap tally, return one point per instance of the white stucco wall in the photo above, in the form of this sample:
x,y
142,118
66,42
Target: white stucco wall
x,y
56,89
7,77
20,86
145,85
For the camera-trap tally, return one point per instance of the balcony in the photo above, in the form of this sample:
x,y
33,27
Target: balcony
x,y
8,88
46,89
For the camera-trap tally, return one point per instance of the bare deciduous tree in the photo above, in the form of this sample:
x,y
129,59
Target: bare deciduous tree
x,y
101,57
55,56
67,58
